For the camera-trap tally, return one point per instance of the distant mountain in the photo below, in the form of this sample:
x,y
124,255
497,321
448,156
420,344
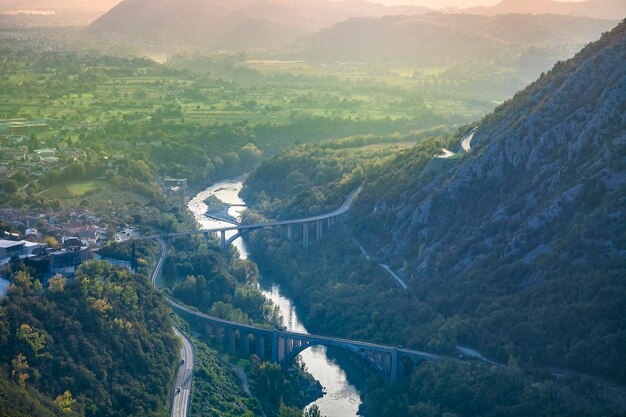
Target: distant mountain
x,y
603,9
523,240
440,37
55,12
232,25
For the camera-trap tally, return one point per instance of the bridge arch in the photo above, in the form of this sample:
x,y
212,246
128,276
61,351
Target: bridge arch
x,y
384,362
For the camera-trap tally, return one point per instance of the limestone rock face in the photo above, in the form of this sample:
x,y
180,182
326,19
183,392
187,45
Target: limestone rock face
x,y
547,169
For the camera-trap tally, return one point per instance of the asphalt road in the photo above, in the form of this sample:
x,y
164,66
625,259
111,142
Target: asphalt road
x,y
466,142
184,375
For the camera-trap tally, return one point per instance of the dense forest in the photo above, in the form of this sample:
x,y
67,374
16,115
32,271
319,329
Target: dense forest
x,y
514,248
511,249
217,282
100,345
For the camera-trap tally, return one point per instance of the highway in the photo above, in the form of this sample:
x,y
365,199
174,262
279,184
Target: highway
x,y
466,142
399,280
387,268
184,375
447,154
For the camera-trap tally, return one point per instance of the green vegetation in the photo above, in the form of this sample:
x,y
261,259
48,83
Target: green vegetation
x,y
340,293
314,179
79,188
502,251
59,192
216,389
515,248
66,342
70,190
200,274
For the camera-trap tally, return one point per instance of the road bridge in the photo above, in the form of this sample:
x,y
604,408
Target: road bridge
x,y
313,226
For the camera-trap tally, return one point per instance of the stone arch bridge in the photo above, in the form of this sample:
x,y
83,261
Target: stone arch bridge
x,y
281,346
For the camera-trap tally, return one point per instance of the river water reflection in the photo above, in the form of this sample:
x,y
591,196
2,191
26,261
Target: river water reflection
x,y
341,399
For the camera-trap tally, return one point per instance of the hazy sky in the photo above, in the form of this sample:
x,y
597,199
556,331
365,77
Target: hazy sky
x,y
440,3
435,4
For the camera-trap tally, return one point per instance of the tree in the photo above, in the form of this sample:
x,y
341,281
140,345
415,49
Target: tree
x,y
23,279
133,258
64,402
20,369
32,338
51,241
286,411
57,283
9,186
313,411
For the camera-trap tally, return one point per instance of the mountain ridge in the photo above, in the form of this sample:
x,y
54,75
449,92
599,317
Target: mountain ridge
x,y
438,37
603,9
212,23
529,225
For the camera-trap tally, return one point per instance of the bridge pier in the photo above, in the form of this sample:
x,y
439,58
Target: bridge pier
x,y
275,347
230,343
281,349
305,235
206,236
223,238
217,334
289,231
318,230
393,372
260,346
244,344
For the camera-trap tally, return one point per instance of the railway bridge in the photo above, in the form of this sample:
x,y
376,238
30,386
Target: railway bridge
x,y
281,346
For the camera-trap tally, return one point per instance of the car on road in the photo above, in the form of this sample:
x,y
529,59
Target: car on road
x,y
182,361
177,390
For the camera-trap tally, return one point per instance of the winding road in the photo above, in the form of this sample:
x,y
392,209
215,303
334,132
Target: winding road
x,y
180,402
387,268
184,373
466,142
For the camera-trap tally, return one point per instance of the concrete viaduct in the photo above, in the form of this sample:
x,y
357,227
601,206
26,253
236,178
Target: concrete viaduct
x,y
280,346
320,224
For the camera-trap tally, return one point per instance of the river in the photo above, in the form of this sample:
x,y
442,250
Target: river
x,y
341,399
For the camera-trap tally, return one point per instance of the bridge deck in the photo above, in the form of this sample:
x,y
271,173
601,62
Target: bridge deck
x,y
312,338
315,339
341,210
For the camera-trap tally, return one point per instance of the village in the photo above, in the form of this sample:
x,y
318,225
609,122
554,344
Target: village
x,y
55,242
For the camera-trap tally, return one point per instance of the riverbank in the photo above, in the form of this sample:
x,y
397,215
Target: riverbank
x,y
342,399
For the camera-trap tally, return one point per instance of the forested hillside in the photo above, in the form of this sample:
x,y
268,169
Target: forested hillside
x,y
524,237
100,345
515,248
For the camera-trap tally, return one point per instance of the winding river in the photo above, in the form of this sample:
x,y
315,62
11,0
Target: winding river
x,y
341,399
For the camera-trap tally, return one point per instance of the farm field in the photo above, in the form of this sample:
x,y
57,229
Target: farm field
x,y
71,190
80,188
